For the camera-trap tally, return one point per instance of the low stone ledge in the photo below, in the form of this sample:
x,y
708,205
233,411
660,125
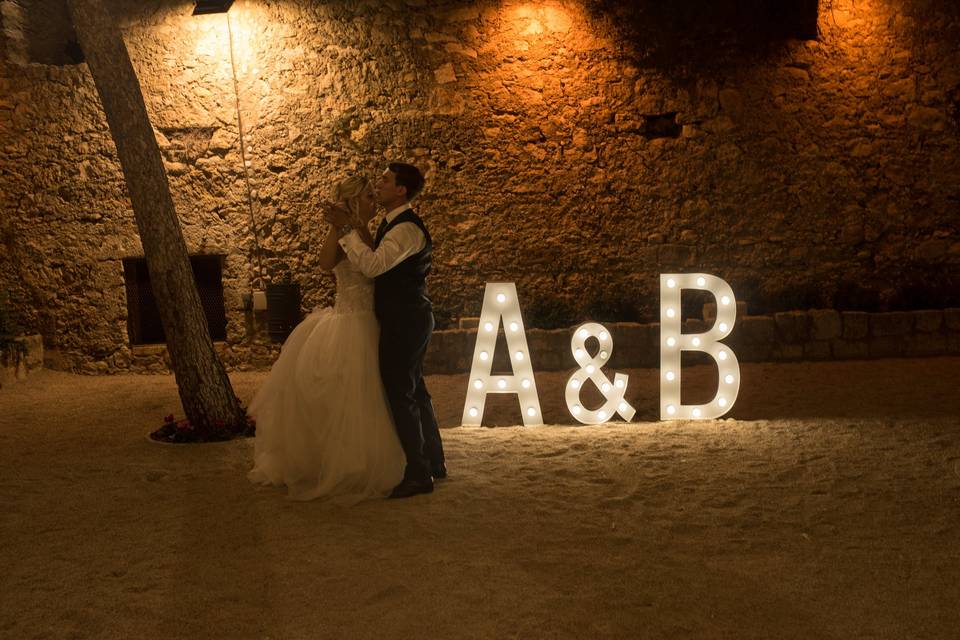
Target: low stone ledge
x,y
893,323
928,321
782,337
951,318
856,325
825,324
792,326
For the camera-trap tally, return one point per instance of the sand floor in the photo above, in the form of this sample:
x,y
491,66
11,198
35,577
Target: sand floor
x,y
827,506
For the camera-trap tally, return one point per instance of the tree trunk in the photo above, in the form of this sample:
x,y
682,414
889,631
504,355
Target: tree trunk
x,y
205,391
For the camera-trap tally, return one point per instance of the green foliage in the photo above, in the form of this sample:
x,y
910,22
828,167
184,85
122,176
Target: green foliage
x,y
9,329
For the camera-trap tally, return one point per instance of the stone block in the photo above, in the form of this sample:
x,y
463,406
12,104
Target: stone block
x,y
856,325
787,352
757,329
894,323
926,344
817,350
709,310
953,342
928,321
951,318
792,326
469,323
824,324
752,352
850,349
886,346
693,325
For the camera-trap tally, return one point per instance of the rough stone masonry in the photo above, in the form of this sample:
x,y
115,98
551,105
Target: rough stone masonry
x,y
566,150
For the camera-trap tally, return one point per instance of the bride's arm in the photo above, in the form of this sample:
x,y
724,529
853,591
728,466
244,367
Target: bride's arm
x,y
330,252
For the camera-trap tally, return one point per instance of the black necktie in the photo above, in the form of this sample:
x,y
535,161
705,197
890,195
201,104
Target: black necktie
x,y
381,231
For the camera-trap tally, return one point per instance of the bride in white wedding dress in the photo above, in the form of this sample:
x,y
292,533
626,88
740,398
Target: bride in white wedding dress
x,y
323,424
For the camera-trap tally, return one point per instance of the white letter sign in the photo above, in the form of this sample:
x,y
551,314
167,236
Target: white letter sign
x,y
590,369
500,302
672,342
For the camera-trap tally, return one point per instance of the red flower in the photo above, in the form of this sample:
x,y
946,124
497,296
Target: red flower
x,y
168,418
184,425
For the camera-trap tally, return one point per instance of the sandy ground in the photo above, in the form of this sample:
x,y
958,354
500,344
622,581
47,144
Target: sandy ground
x,y
828,506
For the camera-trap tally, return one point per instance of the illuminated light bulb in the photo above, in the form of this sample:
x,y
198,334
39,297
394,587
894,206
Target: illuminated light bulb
x,y
484,355
670,376
696,413
722,355
575,383
478,384
701,281
723,326
622,408
619,384
575,409
584,334
604,335
671,283
696,342
488,326
728,378
605,387
502,383
579,353
671,409
671,312
518,355
501,298
722,402
473,412
525,384
514,326
725,300
603,355
602,415
591,369
671,341
531,411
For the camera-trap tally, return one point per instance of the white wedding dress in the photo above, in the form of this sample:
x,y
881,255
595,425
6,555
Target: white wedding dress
x,y
323,424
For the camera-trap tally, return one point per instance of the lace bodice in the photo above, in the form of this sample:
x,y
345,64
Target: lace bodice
x,y
354,290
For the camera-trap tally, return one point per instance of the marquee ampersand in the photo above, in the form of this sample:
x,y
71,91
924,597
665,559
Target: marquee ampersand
x,y
590,369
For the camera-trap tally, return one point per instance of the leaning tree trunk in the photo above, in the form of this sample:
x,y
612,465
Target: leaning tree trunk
x,y
205,390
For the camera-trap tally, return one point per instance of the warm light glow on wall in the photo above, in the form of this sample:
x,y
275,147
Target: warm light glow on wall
x,y
500,303
673,342
211,40
590,369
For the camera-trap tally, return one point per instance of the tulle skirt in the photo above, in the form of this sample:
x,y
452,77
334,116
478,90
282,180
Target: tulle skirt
x,y
323,424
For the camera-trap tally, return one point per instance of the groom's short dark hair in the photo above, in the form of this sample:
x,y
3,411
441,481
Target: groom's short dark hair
x,y
407,176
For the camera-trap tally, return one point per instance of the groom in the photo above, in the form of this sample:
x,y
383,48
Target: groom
x,y
399,264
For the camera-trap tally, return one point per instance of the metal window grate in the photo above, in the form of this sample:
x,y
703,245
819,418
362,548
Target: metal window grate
x,y
143,317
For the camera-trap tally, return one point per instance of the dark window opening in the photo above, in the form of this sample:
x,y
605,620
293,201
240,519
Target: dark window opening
x,y
143,317
661,126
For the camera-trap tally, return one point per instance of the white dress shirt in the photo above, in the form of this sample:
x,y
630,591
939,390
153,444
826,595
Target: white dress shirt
x,y
397,245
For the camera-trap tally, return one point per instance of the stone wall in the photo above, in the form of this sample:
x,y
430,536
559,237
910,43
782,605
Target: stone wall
x,y
566,150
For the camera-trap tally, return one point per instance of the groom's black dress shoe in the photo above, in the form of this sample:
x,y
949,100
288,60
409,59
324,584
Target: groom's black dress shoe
x,y
439,471
409,488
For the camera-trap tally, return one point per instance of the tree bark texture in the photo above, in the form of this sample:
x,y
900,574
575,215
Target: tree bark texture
x,y
205,389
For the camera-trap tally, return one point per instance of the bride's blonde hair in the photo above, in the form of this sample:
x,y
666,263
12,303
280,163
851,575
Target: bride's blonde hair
x,y
349,190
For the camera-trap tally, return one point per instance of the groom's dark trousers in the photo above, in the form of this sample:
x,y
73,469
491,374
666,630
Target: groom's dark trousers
x,y
406,323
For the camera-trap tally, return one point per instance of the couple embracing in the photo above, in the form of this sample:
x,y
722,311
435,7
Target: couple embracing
x,y
345,411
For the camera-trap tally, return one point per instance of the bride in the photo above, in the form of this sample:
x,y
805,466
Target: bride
x,y
323,425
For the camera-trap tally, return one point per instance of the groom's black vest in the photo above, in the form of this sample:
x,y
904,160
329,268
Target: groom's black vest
x,y
404,288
